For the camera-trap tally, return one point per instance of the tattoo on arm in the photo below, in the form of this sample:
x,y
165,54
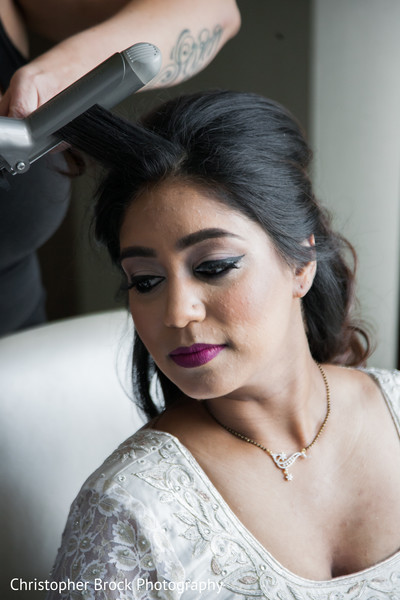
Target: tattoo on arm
x,y
190,54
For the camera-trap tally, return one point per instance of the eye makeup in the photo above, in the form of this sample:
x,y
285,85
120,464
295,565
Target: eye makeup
x,y
206,270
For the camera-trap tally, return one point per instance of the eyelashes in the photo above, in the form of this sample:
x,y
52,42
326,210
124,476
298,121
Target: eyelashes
x,y
144,283
211,269
208,270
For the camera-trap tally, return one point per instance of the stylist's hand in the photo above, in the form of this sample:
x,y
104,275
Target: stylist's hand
x,y
31,86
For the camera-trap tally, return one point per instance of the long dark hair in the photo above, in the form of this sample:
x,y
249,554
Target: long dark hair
x,y
252,154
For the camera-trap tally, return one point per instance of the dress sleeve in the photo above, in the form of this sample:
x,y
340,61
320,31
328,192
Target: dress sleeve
x,y
113,548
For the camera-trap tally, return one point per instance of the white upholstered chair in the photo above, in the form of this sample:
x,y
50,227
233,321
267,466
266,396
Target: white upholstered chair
x,y
63,409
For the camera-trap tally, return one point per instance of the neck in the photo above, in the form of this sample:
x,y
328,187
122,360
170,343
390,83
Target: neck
x,y
286,415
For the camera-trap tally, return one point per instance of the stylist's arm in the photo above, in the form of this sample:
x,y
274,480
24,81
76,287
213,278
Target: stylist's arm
x,y
188,33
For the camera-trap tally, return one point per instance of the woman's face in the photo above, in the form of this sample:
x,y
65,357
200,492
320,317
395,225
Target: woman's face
x,y
214,304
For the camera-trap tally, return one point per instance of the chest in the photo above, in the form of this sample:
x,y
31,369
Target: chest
x,y
323,523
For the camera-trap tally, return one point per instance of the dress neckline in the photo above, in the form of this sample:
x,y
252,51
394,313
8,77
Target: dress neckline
x,y
350,578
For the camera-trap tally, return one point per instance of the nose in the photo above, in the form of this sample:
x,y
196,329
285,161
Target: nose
x,y
184,305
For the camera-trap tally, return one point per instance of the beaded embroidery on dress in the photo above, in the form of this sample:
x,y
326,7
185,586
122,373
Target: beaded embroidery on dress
x,y
150,522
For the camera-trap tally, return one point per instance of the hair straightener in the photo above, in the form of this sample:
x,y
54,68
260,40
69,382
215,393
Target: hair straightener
x,y
22,141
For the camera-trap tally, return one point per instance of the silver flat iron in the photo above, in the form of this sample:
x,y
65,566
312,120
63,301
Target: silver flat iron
x,y
22,141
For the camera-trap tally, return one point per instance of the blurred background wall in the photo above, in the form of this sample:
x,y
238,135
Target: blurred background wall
x,y
355,130
334,65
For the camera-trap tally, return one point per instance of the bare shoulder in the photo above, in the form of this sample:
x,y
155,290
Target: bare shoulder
x,y
362,386
362,402
361,398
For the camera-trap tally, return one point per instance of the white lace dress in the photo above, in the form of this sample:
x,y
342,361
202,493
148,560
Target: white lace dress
x,y
149,524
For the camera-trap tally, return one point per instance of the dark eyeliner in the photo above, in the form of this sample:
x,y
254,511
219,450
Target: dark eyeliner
x,y
141,283
218,267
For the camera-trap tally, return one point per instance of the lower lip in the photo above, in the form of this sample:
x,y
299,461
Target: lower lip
x,y
196,359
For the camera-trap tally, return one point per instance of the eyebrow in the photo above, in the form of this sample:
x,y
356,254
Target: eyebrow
x,y
203,234
182,244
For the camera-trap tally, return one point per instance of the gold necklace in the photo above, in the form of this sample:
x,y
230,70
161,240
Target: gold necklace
x,y
280,459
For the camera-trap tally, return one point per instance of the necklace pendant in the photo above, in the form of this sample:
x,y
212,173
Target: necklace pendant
x,y
283,462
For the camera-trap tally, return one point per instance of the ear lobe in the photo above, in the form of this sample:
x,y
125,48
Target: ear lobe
x,y
304,276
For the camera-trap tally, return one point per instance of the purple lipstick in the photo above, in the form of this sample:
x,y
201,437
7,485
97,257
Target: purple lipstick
x,y
195,355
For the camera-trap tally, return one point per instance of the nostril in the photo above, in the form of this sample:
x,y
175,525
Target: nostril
x,y
180,313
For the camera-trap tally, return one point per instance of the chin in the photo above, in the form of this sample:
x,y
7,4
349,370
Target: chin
x,y
202,386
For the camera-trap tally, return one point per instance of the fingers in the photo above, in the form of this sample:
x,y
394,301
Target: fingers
x,y
22,95
28,89
35,83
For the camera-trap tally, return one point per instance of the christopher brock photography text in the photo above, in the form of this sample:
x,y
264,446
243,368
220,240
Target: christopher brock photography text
x,y
123,585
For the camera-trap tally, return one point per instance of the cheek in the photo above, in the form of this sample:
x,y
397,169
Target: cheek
x,y
247,298
237,307
242,306
256,308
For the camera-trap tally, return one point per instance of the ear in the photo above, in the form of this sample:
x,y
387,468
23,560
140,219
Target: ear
x,y
304,276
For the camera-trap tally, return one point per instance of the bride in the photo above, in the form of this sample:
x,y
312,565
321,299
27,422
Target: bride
x,y
271,470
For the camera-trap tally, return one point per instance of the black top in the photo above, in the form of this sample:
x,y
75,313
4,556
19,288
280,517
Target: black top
x,y
30,212
11,58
